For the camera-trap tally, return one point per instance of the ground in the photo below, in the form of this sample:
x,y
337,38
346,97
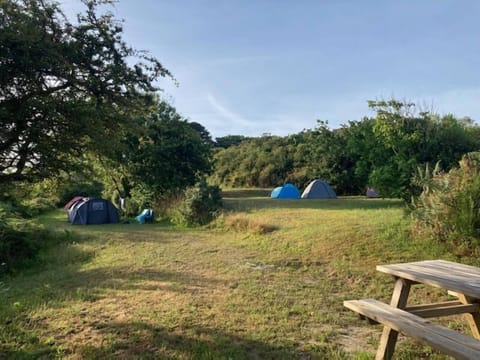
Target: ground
x,y
266,281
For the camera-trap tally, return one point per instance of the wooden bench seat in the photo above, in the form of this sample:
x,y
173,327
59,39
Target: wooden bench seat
x,y
438,337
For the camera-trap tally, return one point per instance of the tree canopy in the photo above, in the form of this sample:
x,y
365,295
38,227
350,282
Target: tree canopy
x,y
65,88
165,154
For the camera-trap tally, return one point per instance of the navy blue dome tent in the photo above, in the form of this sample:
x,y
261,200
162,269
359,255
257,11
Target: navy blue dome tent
x,y
88,211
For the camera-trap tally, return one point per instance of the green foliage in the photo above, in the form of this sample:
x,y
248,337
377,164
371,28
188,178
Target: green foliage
x,y
166,154
408,139
37,205
20,241
65,88
261,162
200,205
449,206
141,198
171,154
32,199
92,188
229,140
381,152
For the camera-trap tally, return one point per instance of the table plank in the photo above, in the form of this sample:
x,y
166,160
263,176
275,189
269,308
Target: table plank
x,y
446,340
461,278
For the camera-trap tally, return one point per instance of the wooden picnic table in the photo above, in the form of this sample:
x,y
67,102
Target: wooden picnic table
x,y
462,281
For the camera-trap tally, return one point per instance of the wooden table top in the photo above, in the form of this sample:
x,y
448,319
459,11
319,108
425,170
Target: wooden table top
x,y
448,275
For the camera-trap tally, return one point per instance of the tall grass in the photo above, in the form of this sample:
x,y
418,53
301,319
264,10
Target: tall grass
x,y
449,207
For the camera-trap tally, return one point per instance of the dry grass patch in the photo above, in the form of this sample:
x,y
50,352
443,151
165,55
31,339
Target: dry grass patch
x,y
242,223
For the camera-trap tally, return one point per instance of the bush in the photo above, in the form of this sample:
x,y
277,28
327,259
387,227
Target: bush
x,y
19,240
449,206
37,205
199,205
31,199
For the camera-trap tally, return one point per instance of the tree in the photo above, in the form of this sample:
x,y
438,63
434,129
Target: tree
x,y
203,132
64,88
230,140
165,154
409,139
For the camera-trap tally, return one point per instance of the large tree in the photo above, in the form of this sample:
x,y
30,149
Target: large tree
x,y
65,88
165,154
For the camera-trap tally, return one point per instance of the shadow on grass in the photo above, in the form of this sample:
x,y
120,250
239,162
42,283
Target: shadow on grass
x,y
125,278
95,284
141,340
133,339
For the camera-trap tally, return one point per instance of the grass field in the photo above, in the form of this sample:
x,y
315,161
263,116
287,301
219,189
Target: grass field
x,y
266,281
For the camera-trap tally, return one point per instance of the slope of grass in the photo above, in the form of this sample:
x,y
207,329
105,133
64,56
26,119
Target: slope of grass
x,y
223,292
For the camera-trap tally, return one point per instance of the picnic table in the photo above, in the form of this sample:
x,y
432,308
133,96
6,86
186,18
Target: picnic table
x,y
461,281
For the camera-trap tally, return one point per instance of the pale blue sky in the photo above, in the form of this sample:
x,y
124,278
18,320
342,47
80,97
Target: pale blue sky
x,y
249,67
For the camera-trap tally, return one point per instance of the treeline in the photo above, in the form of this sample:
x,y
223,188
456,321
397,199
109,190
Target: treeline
x,y
381,151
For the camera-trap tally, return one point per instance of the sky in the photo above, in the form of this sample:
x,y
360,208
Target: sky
x,y
250,67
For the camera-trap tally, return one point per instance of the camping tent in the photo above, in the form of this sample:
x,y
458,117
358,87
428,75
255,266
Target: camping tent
x,y
287,191
92,211
318,189
372,193
72,201
145,216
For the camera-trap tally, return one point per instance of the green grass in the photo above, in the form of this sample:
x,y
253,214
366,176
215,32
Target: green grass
x,y
220,292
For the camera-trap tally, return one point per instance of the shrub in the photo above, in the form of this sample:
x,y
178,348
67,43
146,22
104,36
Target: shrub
x,y
449,206
37,205
141,198
19,240
31,199
200,205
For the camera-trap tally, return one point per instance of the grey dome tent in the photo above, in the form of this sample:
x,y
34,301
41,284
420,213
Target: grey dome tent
x,y
92,211
318,189
372,193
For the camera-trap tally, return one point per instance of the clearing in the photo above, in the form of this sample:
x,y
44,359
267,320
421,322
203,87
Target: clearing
x,y
226,291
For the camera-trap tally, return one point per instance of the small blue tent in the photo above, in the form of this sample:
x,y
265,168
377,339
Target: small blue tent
x,y
92,211
287,191
318,189
145,216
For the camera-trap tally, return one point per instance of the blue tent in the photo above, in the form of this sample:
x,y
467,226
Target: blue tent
x,y
287,191
318,189
92,211
145,216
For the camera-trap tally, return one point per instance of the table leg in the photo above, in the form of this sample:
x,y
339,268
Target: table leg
x,y
473,318
389,336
